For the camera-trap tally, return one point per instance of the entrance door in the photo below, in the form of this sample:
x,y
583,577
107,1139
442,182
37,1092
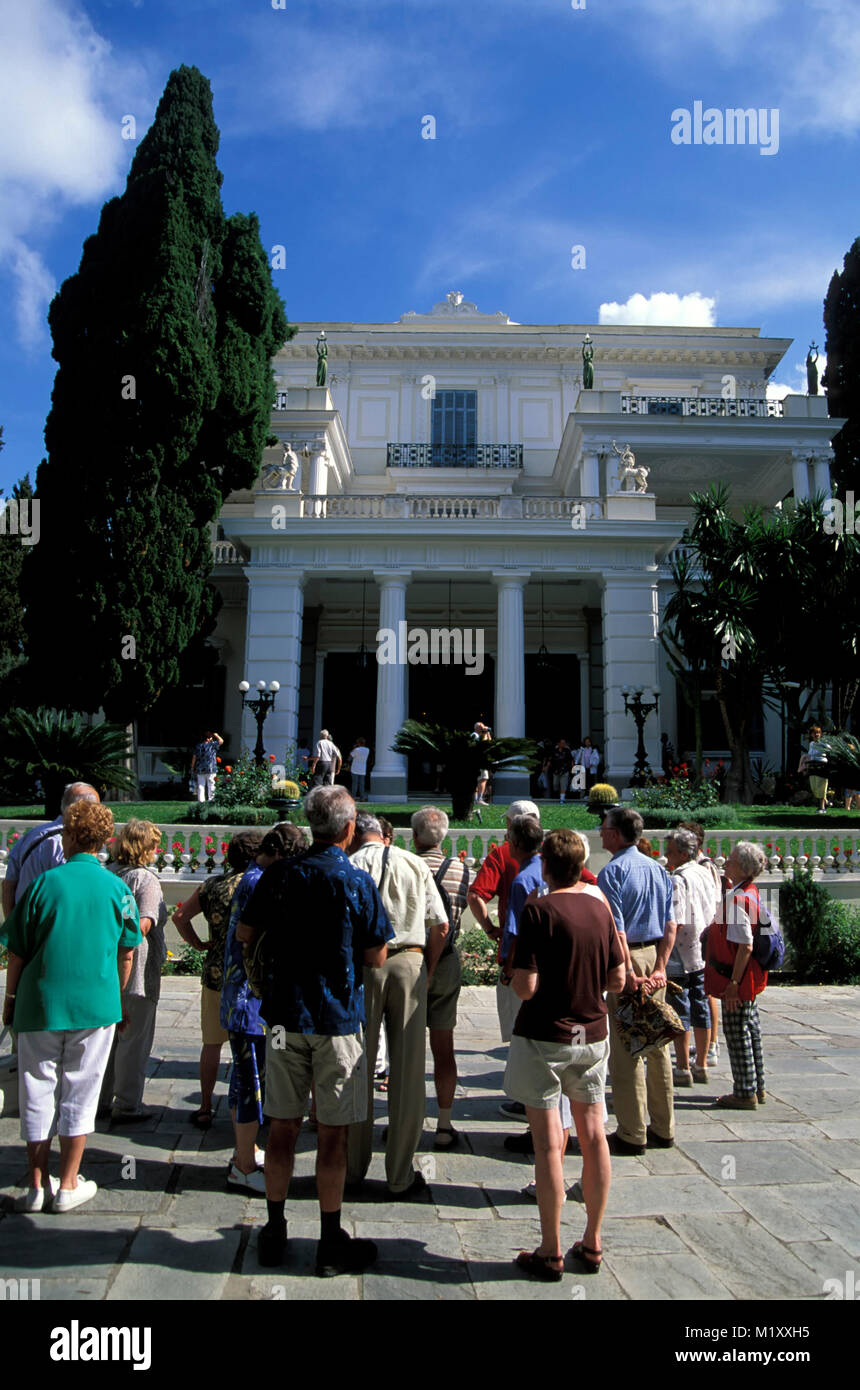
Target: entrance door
x,y
447,695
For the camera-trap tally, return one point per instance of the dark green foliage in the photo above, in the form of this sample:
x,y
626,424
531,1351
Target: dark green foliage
x,y
463,757
160,409
478,957
823,935
13,554
842,377
60,748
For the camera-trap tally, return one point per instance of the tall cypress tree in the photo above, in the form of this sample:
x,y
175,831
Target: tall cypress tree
x,y
160,408
842,377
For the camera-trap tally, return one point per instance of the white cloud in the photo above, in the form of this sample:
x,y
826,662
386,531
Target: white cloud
x,y
34,288
62,97
678,310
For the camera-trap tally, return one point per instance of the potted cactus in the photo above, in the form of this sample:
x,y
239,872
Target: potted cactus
x,y
600,798
286,795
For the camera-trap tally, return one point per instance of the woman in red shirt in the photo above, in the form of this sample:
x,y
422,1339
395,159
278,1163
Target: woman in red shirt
x,y
731,974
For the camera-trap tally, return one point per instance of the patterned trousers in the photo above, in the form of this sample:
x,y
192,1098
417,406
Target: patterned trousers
x,y
743,1039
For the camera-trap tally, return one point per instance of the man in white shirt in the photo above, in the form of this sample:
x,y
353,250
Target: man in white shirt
x,y
695,899
358,768
327,759
396,992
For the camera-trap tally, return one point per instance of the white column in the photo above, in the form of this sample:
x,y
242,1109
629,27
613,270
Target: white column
x,y
319,678
388,779
273,651
584,695
629,658
821,474
800,475
510,674
590,475
319,474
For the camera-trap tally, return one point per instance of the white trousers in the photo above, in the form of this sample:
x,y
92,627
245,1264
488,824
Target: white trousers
x,y
205,786
59,1079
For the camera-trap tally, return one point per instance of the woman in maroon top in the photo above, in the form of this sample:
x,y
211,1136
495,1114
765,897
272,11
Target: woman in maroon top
x,y
567,956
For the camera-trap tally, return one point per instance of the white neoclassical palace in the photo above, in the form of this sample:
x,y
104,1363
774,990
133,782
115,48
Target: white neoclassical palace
x,y
457,471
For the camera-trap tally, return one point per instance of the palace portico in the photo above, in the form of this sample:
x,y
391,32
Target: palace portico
x,y
454,473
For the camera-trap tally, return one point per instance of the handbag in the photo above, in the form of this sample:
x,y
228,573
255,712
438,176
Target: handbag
x,y
646,1024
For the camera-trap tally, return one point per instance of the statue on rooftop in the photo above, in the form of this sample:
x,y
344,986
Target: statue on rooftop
x,y
280,477
322,359
587,363
632,476
812,370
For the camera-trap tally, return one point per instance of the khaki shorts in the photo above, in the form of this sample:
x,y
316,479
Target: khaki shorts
x,y
443,992
538,1072
210,1016
335,1067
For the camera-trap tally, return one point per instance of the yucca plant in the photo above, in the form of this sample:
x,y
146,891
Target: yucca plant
x,y
59,748
462,757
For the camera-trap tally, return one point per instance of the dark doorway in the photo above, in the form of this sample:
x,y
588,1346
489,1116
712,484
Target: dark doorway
x,y
349,703
553,699
447,695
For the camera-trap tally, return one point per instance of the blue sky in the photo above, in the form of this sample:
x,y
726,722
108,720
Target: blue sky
x,y
553,129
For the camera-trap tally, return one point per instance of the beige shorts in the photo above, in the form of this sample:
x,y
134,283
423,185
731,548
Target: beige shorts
x,y
335,1067
210,1016
538,1072
443,992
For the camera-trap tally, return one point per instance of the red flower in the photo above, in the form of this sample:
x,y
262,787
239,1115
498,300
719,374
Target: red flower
x,y
223,846
217,760
462,854
271,757
228,769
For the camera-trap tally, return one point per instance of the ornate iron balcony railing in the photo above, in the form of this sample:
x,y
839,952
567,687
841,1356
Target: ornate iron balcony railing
x,y
743,407
455,456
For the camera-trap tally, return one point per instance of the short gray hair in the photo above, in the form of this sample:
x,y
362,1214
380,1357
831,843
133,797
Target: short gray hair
x,y
78,791
324,733
626,821
751,858
329,811
522,808
429,827
367,824
685,840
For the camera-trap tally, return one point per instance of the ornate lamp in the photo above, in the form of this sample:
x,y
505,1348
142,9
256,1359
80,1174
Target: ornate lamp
x,y
640,709
260,707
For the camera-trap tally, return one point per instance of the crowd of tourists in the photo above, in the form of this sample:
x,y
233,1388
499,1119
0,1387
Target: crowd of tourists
x,y
320,953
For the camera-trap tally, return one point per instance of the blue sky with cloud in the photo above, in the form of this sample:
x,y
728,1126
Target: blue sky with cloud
x,y
552,130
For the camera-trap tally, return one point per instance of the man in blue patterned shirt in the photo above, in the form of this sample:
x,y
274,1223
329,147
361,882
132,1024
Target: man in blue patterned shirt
x,y
639,892
324,921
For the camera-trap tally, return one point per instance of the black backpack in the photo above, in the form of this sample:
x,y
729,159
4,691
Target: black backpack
x,y
453,932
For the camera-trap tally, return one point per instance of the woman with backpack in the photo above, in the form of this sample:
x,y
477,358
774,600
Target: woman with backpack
x,y
734,975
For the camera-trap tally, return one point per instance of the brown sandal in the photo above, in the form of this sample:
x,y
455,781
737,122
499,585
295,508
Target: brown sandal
x,y
590,1259
549,1268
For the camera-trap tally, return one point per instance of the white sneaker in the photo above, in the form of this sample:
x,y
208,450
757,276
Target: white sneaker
x,y
37,1199
247,1182
714,1055
69,1198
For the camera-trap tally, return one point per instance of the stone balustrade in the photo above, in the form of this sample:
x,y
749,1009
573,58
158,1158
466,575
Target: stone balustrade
x,y
743,407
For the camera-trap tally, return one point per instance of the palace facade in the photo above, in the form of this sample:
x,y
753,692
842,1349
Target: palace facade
x,y
455,473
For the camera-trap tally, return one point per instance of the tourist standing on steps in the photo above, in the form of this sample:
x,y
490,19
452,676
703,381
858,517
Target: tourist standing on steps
x,y
494,880
326,761
204,764
567,954
324,924
429,828
133,851
396,993
639,893
814,762
240,1015
214,899
733,975
71,939
561,766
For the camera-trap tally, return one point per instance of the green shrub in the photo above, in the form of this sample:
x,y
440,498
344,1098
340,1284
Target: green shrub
x,y
216,813
478,956
245,784
684,792
670,817
187,962
823,935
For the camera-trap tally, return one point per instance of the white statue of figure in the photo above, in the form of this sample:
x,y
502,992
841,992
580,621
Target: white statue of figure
x,y
280,477
632,476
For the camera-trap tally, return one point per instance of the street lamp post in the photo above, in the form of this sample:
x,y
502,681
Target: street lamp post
x,y
640,709
260,707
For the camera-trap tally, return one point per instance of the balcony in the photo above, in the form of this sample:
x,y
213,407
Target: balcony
x,y
743,407
439,507
455,456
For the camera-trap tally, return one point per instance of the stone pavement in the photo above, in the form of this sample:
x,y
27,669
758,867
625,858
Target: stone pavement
x,y
762,1205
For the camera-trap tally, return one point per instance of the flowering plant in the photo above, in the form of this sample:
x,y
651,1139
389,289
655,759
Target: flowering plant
x,y
243,783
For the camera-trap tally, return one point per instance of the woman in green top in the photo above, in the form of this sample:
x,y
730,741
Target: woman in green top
x,y
71,939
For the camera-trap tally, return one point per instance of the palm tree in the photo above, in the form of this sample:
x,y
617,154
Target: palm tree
x,y
59,748
462,757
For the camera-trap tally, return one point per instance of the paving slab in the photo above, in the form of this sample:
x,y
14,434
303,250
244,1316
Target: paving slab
x,y
833,1208
189,1262
674,1277
758,1161
747,1259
